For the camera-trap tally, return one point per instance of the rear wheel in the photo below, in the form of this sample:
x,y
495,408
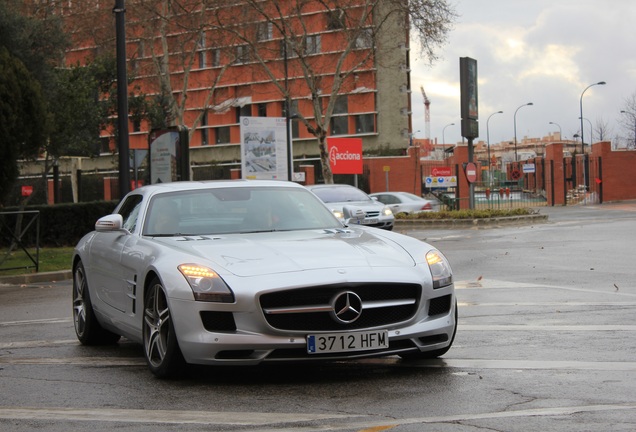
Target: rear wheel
x,y
435,353
161,348
87,328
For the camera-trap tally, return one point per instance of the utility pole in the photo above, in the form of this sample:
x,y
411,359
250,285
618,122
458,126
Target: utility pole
x,y
122,99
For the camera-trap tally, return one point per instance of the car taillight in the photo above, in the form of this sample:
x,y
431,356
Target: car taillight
x,y
427,206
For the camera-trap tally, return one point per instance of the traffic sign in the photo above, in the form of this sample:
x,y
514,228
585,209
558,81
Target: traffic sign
x,y
471,172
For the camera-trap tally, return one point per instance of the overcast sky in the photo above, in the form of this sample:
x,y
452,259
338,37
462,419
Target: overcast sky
x,y
541,51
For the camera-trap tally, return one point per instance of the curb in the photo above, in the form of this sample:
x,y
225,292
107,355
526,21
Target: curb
x,y
37,277
407,224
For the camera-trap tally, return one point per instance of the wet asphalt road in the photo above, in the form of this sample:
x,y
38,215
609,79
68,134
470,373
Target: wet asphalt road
x,y
547,341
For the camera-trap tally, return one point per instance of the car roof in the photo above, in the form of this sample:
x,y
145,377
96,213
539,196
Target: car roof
x,y
193,185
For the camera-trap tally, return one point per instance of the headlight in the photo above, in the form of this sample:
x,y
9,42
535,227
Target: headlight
x,y
386,211
440,269
206,284
338,214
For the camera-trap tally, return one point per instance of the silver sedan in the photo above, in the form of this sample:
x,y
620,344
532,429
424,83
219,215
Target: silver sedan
x,y
244,272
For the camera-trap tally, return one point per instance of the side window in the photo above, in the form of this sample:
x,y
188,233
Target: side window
x,y
130,212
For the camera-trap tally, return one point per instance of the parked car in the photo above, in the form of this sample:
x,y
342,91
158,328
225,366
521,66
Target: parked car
x,y
338,196
404,202
243,272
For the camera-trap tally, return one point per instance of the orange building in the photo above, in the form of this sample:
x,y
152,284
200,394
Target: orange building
x,y
228,61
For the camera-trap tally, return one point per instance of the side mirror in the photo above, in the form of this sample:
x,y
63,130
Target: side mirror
x,y
111,222
353,214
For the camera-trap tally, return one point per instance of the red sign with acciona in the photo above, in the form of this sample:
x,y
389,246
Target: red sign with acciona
x,y
345,155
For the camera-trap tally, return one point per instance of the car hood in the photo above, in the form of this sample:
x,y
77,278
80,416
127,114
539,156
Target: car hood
x,y
279,252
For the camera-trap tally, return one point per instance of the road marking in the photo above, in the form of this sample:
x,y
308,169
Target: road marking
x,y
40,321
38,344
162,416
546,327
273,420
81,361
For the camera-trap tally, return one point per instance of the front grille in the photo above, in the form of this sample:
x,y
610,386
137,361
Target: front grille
x,y
440,305
373,214
392,303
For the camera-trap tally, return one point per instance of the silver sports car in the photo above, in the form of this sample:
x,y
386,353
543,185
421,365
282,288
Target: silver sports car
x,y
242,272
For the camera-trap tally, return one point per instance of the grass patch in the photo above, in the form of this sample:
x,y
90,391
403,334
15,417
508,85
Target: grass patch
x,y
51,259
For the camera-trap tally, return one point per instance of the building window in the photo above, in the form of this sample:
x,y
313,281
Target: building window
x,y
293,108
223,135
287,50
312,45
264,31
365,39
295,128
216,57
365,123
243,54
201,53
244,111
339,125
204,129
342,105
335,19
262,110
136,123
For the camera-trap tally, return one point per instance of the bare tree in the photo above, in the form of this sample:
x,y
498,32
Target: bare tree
x,y
370,31
628,120
602,129
176,37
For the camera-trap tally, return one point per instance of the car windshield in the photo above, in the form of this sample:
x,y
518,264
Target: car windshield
x,y
236,210
340,194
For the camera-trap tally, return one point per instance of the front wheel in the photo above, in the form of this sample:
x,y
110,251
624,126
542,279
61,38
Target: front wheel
x,y
87,328
161,348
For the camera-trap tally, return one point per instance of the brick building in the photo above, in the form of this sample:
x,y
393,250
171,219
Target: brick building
x,y
345,70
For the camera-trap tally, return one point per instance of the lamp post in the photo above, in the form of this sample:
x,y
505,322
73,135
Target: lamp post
x,y
560,133
591,130
443,137
581,113
488,143
515,123
122,99
634,120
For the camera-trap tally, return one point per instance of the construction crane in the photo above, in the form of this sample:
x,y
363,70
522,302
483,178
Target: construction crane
x,y
427,114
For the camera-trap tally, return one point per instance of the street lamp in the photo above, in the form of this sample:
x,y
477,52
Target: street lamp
x,y
444,139
634,120
488,142
591,130
560,133
515,122
581,113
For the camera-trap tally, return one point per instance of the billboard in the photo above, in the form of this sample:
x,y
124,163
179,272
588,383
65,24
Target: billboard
x,y
345,155
264,148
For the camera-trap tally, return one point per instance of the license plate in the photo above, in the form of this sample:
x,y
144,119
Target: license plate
x,y
369,221
346,342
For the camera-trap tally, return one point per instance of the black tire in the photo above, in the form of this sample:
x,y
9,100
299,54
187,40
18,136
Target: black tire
x,y
87,328
435,353
161,347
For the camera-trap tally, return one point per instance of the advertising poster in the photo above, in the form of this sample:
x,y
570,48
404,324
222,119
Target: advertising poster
x,y
264,148
163,156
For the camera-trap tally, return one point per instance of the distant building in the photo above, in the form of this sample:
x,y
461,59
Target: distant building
x,y
374,103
